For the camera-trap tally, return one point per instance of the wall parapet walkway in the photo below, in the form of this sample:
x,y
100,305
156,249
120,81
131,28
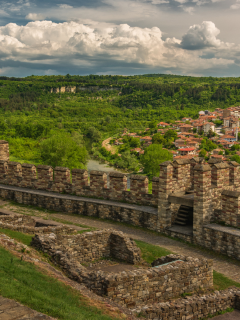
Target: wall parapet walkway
x,y
142,216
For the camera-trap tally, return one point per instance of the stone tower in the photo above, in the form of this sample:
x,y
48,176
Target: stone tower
x,y
4,150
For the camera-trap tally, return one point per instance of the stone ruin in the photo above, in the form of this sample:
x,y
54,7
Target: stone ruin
x,y
167,278
145,290
29,225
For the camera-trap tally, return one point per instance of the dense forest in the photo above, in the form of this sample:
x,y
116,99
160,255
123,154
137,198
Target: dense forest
x,y
36,122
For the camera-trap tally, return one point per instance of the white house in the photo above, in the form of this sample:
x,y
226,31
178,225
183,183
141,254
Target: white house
x,y
208,126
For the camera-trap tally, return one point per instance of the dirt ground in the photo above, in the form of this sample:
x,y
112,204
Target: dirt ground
x,y
235,315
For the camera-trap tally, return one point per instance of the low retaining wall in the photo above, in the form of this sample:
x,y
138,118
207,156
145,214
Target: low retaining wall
x,y
26,224
179,234
145,217
193,308
225,240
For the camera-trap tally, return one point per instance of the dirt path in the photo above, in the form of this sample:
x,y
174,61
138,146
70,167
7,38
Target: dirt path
x,y
12,310
107,146
235,315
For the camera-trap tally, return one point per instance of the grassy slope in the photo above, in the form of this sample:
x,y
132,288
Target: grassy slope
x,y
22,281
19,236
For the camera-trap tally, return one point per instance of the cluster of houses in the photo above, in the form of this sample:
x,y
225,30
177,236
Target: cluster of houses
x,y
224,133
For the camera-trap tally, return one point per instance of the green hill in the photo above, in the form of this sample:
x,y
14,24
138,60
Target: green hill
x,y
102,106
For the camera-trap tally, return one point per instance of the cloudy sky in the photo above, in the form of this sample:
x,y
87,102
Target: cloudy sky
x,y
186,37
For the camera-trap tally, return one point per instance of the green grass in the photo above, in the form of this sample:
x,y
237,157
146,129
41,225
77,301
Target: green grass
x,y
221,282
22,281
19,236
151,252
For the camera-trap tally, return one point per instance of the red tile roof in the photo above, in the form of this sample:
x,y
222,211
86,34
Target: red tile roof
x,y
187,149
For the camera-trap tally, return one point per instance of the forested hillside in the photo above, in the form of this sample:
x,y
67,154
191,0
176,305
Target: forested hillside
x,y
35,121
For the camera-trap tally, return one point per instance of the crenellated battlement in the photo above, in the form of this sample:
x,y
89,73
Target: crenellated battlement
x,y
209,192
77,182
4,150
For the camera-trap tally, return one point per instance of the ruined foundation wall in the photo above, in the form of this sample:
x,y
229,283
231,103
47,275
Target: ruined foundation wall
x,y
4,150
128,288
194,308
26,224
91,246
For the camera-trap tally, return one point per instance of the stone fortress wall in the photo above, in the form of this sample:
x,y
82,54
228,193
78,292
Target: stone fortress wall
x,y
213,190
210,189
62,180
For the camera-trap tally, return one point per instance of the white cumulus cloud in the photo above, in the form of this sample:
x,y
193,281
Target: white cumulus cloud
x,y
75,44
201,36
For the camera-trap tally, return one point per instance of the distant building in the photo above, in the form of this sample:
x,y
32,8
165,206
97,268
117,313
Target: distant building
x,y
186,119
179,143
229,138
163,124
216,151
218,156
186,128
187,151
231,122
136,150
208,126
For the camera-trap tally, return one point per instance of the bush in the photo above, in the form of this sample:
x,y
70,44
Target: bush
x,y
152,157
62,150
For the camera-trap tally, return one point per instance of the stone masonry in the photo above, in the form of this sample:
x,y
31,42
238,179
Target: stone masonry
x,y
26,224
212,189
193,307
170,276
58,180
4,150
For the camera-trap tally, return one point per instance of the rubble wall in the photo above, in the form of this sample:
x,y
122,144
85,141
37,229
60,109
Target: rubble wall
x,y
194,308
129,288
